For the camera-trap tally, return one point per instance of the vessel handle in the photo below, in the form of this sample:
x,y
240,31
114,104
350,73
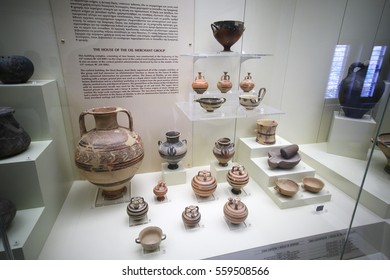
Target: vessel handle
x,y
262,93
137,240
83,129
214,28
128,116
163,237
355,65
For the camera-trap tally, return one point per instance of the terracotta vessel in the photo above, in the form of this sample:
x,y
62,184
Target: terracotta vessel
x,y
191,216
383,143
284,158
160,190
224,84
108,155
7,211
286,187
200,85
353,101
249,101
237,178
227,32
13,138
150,238
173,150
247,83
266,129
312,184
137,208
235,211
223,151
204,184
211,103
15,69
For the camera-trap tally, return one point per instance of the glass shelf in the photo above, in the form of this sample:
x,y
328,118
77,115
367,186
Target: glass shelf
x,y
231,109
242,55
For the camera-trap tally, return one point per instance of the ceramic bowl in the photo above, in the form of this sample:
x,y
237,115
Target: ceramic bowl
x,y
227,32
383,143
286,187
250,101
312,184
150,238
210,103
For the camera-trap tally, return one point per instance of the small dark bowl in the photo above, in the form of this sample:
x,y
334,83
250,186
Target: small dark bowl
x,y
227,32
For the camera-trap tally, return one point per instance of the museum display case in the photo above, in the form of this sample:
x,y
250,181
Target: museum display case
x,y
270,169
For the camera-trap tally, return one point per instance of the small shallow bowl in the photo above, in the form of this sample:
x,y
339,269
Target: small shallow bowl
x,y
312,184
286,187
150,238
248,101
210,103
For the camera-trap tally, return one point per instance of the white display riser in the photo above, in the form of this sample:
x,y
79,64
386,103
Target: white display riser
x,y
30,180
20,180
347,174
83,231
37,180
350,137
21,236
36,105
254,157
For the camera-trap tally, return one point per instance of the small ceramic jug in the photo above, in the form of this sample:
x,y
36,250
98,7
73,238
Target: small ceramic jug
x,y
224,85
191,216
160,190
235,211
200,85
137,208
204,184
223,151
237,178
247,84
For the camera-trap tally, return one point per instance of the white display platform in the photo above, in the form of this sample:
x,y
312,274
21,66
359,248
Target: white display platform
x,y
38,179
20,231
173,176
254,157
350,137
86,232
347,174
220,172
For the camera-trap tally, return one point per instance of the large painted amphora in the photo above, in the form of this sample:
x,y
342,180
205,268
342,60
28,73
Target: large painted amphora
x,y
173,149
108,155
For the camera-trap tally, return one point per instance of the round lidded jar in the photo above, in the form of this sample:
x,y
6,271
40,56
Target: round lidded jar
x,y
160,190
235,211
191,216
237,178
204,184
137,208
224,85
223,151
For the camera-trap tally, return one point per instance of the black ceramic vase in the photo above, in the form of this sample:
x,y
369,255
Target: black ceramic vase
x,y
351,100
15,69
13,138
7,211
